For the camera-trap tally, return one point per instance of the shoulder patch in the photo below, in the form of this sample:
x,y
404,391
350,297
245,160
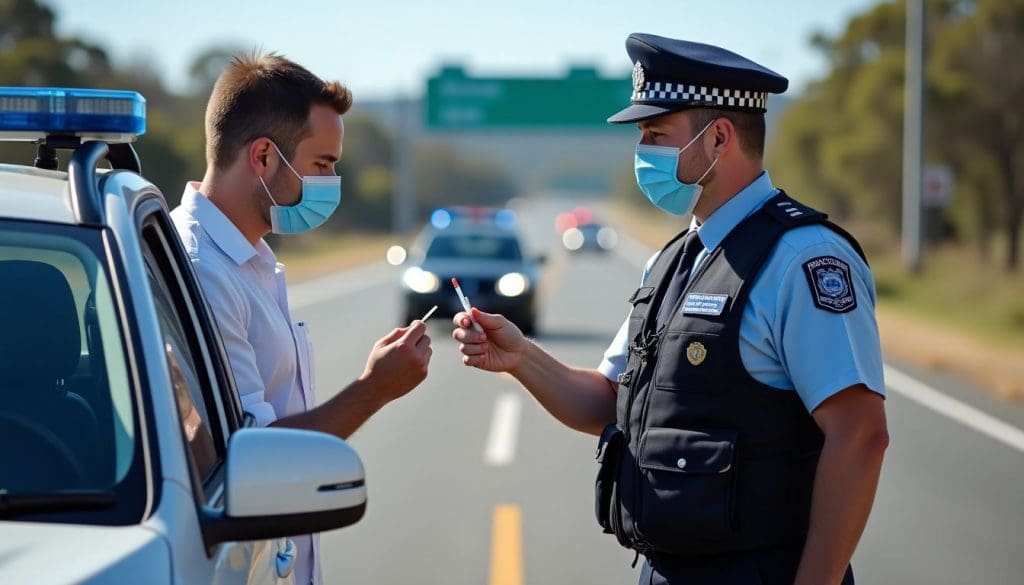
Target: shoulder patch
x,y
831,284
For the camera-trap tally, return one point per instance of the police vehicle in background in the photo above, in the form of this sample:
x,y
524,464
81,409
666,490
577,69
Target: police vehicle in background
x,y
126,457
579,231
481,248
590,237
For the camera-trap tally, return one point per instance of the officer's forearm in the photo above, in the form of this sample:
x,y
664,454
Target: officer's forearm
x,y
844,490
581,399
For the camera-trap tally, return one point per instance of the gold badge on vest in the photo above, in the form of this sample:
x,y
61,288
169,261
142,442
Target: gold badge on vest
x,y
696,353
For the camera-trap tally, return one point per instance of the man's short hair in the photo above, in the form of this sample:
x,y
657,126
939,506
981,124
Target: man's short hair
x,y
265,95
749,126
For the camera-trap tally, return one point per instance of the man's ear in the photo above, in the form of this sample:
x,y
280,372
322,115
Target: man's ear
x,y
261,157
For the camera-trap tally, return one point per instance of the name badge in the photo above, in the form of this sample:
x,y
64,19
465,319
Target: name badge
x,y
704,304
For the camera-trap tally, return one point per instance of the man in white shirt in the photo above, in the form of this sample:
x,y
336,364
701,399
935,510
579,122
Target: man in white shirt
x,y
273,135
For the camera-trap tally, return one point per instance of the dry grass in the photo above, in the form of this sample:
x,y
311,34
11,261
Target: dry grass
x,y
996,367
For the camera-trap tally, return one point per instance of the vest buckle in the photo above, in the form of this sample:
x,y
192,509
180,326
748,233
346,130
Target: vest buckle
x,y
645,345
625,378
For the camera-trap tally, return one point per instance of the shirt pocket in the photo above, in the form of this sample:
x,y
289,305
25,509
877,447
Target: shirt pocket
x,y
307,375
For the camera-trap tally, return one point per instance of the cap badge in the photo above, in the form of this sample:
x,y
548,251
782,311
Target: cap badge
x,y
638,77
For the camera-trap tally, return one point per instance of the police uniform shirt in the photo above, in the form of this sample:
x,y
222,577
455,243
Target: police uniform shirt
x,y
796,332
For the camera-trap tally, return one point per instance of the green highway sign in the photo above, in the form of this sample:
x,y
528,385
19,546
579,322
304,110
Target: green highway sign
x,y
582,99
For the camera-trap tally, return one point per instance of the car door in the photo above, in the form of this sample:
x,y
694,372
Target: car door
x,y
207,403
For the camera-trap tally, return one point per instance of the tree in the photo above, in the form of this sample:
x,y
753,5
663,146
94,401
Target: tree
x,y
31,54
839,145
979,91
444,177
366,171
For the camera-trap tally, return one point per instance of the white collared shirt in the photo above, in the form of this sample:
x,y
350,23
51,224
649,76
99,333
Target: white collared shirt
x,y
271,358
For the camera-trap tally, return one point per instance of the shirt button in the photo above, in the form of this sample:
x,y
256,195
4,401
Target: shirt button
x,y
681,464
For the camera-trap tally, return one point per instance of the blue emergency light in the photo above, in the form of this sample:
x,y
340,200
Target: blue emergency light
x,y
39,112
443,217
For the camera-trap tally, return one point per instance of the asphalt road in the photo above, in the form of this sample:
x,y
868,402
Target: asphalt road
x,y
471,482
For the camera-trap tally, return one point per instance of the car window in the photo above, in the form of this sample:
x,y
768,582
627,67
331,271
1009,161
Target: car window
x,y
195,419
65,393
194,388
474,246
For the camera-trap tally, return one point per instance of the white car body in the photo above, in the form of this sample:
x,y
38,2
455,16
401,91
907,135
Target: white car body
x,y
231,528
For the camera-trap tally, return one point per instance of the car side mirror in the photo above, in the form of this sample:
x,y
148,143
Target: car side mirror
x,y
286,482
541,259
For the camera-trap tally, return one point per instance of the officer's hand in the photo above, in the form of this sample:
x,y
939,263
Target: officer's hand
x,y
398,361
498,349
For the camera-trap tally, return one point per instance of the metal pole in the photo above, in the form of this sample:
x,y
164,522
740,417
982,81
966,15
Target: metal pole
x,y
913,130
404,197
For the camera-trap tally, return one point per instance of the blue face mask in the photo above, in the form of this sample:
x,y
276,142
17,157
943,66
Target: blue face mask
x,y
320,197
656,168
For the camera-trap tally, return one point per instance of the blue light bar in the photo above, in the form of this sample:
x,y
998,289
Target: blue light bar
x,y
505,219
37,112
441,219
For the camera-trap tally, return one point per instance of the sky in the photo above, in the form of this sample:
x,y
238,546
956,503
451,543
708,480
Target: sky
x,y
387,48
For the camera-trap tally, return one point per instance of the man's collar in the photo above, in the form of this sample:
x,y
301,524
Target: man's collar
x,y
740,206
222,231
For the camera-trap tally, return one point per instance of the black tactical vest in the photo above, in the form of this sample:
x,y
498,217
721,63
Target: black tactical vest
x,y
704,459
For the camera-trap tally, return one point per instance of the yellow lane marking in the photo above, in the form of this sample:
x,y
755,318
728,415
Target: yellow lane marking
x,y
507,546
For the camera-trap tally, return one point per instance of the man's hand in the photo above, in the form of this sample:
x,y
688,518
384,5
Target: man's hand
x,y
396,365
398,361
498,349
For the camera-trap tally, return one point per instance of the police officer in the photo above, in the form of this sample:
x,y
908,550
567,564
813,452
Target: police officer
x,y
746,383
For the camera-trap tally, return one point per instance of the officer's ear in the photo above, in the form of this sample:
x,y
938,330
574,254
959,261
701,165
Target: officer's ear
x,y
723,132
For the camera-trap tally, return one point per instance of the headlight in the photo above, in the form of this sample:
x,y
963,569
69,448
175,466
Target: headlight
x,y
512,284
607,238
396,255
421,281
572,239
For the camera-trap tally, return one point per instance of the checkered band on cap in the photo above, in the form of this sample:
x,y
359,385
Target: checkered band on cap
x,y
681,93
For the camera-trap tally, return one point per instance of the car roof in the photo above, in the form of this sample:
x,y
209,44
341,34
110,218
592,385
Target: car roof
x,y
473,230
471,227
35,194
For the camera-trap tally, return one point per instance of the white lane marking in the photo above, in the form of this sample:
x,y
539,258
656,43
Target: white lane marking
x,y
637,253
339,284
954,409
501,443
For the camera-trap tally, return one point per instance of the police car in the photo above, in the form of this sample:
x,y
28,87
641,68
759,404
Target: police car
x,y
480,248
125,455
580,232
590,237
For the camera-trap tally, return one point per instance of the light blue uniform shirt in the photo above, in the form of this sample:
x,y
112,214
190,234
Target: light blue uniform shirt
x,y
786,340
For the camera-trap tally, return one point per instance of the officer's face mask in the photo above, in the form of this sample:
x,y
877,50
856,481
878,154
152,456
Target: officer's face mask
x,y
320,197
656,168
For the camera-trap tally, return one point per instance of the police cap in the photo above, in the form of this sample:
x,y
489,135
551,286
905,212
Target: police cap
x,y
671,75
